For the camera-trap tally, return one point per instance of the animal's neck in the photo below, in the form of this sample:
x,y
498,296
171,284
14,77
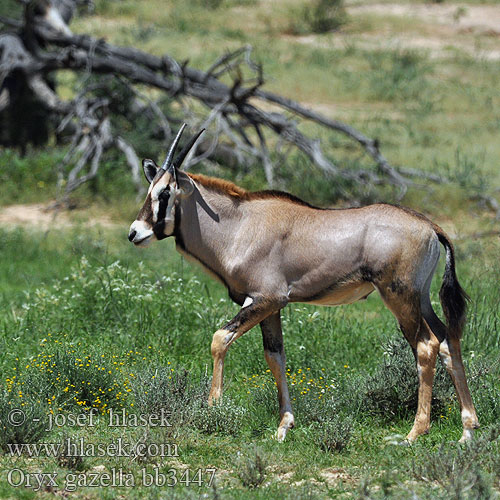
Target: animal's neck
x,y
205,224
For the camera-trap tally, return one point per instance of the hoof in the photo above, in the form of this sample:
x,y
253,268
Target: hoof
x,y
287,423
396,440
281,434
405,442
466,436
213,400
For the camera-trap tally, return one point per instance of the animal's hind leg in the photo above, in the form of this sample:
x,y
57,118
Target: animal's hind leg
x,y
451,357
425,345
274,353
427,351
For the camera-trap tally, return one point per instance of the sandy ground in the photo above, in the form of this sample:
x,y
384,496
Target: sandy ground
x,y
472,29
40,216
482,19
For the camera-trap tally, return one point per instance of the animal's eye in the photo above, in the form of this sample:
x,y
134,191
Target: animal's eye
x,y
165,194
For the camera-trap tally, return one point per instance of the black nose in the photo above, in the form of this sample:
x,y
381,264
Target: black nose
x,y
131,235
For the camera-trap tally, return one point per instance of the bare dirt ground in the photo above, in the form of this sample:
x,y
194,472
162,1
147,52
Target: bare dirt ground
x,y
40,216
481,19
445,28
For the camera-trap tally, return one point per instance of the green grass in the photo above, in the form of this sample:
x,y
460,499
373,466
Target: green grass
x,y
148,318
89,321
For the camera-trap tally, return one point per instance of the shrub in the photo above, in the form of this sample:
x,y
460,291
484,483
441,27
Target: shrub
x,y
172,390
211,4
334,434
224,417
331,413
64,378
252,468
66,459
116,303
483,382
392,389
399,75
31,178
185,398
319,16
23,419
326,15
459,469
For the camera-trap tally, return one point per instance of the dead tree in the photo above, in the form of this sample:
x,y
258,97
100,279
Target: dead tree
x,y
241,130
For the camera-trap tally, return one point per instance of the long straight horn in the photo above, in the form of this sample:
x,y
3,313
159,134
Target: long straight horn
x,y
173,147
185,150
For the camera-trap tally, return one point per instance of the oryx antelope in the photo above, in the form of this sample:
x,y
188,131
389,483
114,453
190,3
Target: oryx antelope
x,y
269,248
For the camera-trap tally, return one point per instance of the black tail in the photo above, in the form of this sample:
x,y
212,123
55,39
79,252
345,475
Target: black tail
x,y
452,296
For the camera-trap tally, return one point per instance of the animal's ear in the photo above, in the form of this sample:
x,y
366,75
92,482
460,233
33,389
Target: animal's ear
x,y
184,183
150,169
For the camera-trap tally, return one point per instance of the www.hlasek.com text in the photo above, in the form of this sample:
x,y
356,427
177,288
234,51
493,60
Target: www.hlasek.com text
x,y
79,447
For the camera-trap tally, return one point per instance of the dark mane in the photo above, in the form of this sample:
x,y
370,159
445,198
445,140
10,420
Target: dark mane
x,y
220,185
232,190
282,195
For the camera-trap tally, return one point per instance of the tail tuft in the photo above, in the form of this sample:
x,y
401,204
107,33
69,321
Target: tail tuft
x,y
452,296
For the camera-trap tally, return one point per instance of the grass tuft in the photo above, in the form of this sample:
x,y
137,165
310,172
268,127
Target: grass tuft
x,y
392,389
318,16
461,470
23,418
252,466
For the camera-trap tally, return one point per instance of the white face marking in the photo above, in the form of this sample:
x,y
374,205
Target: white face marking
x,y
157,189
143,232
248,302
155,192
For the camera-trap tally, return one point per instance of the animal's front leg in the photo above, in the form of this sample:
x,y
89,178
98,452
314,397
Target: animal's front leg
x,y
274,352
252,313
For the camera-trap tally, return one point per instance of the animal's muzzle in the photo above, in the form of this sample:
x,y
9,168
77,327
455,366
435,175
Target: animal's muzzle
x,y
139,232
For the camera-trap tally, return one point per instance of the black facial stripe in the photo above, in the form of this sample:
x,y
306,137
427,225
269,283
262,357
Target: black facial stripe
x,y
163,204
159,227
159,230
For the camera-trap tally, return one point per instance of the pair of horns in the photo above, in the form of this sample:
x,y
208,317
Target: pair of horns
x,y
169,163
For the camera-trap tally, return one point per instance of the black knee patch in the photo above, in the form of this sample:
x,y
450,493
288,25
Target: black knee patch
x,y
272,343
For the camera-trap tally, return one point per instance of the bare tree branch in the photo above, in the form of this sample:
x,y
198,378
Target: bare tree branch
x,y
240,128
